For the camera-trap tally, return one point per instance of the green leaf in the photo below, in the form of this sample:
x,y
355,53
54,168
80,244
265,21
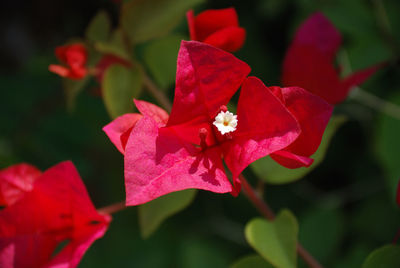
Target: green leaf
x,y
321,232
196,252
354,257
385,257
271,172
72,88
388,147
120,86
147,19
115,45
276,240
153,213
253,261
99,28
160,57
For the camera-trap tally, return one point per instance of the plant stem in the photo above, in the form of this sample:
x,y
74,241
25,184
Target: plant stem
x,y
384,25
267,212
367,98
113,208
376,103
157,93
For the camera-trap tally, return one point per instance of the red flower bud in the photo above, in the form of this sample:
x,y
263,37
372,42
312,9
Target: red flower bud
x,y
217,27
74,58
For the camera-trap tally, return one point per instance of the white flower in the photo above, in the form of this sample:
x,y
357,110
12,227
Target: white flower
x,y
225,122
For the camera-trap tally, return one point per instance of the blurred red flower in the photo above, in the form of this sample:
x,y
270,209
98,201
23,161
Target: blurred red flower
x,y
74,56
309,62
217,27
43,210
166,154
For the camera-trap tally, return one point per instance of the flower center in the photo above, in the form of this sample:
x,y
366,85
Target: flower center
x,y
225,122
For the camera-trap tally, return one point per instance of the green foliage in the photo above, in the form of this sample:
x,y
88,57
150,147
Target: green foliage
x,y
153,213
271,172
321,232
72,88
354,257
385,257
388,146
115,45
197,253
253,261
160,57
99,27
276,240
147,19
120,86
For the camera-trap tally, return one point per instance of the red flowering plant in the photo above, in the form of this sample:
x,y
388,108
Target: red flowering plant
x,y
166,154
309,61
196,142
217,27
115,47
74,57
43,210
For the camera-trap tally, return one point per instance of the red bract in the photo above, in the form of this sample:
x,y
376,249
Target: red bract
x,y
74,57
217,27
313,114
105,62
54,209
15,181
309,61
183,151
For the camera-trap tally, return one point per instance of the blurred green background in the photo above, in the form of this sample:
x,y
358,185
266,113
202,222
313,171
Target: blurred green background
x,y
345,207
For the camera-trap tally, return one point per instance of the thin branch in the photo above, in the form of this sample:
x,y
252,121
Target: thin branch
x,y
376,103
367,98
157,93
111,209
262,207
267,212
383,22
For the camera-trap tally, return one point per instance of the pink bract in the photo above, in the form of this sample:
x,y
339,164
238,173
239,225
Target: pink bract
x,y
185,150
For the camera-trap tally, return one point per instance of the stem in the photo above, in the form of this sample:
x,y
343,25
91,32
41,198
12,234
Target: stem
x,y
267,212
157,93
367,98
384,25
376,103
149,84
113,208
396,237
262,207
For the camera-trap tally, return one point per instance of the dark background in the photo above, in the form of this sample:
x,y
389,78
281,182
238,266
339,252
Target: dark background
x,y
345,207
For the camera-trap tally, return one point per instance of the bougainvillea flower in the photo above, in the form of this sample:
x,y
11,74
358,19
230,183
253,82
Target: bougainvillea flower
x,y
53,210
217,27
309,62
15,181
313,114
74,58
119,130
164,155
105,62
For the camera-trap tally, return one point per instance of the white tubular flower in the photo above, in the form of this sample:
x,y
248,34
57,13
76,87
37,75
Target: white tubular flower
x,y
225,122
